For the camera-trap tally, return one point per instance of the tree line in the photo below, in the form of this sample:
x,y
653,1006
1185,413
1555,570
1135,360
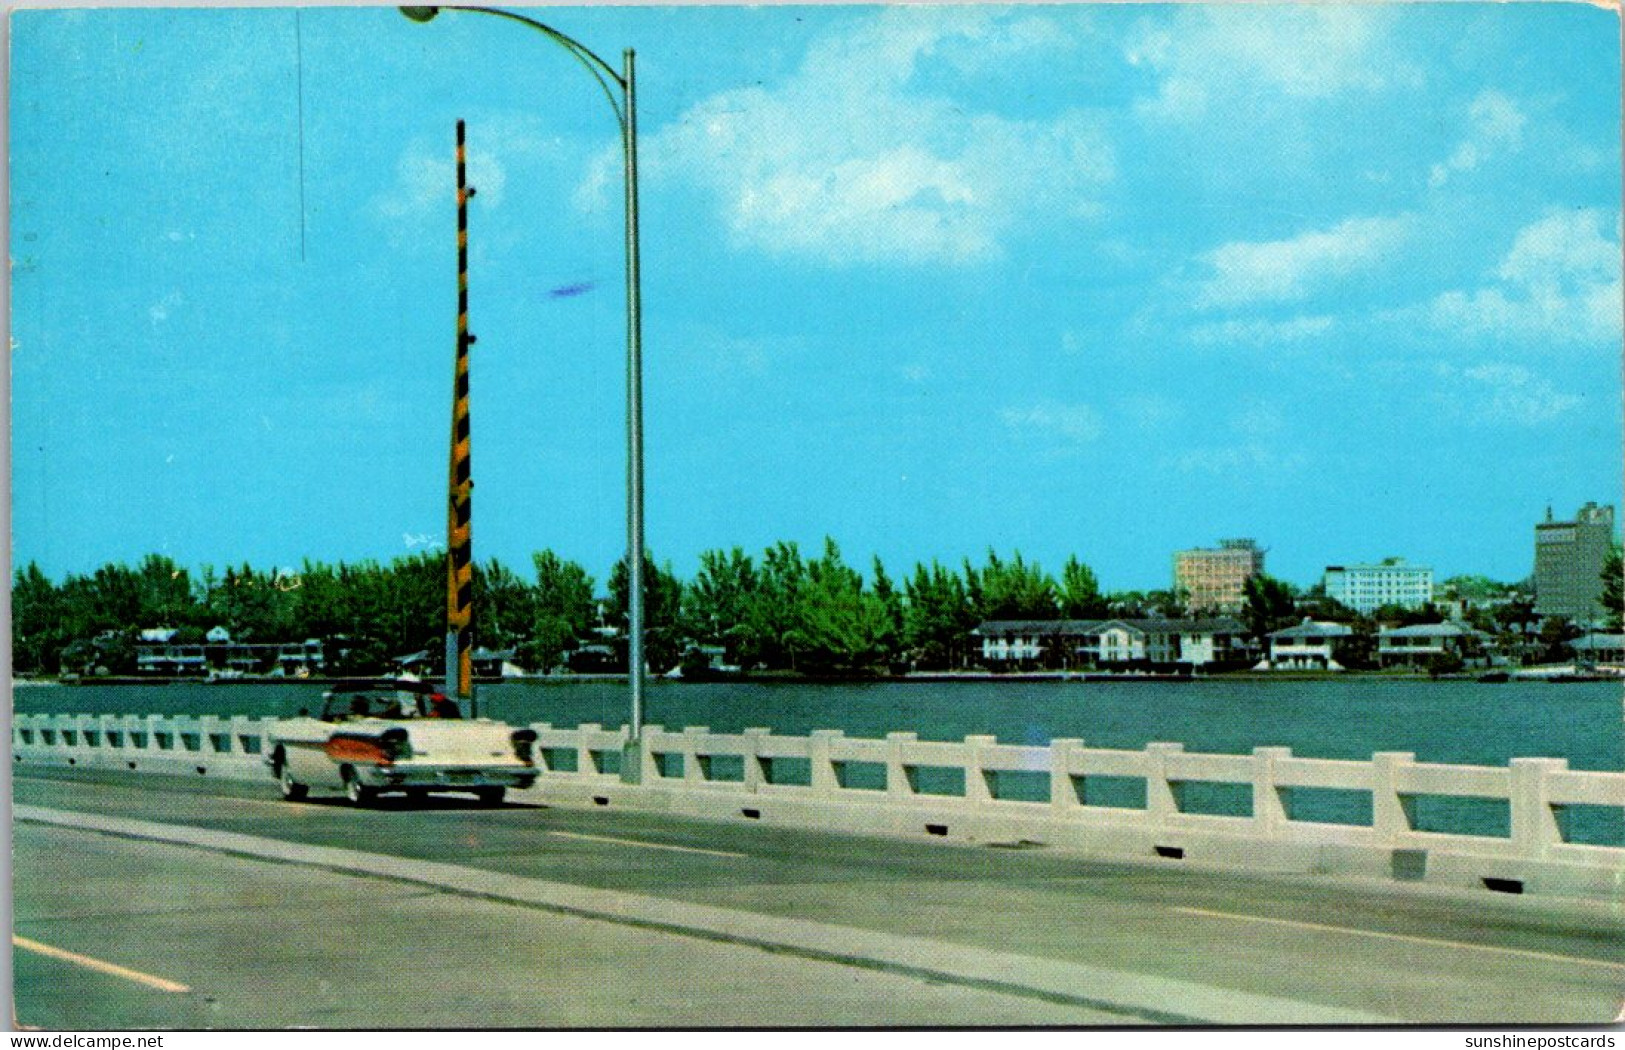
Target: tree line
x,y
780,610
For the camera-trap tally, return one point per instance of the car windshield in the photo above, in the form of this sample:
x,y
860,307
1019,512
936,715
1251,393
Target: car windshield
x,y
393,704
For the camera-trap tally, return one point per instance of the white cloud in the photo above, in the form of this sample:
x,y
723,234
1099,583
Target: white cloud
x,y
1495,124
1505,393
1300,51
426,181
159,311
1260,332
844,162
1280,271
1559,284
1256,461
1151,412
1073,424
499,142
1260,450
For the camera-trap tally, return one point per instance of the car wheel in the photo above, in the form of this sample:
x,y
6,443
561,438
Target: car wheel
x,y
292,790
358,793
491,796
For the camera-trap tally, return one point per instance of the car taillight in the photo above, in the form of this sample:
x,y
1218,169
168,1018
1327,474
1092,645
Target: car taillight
x,y
395,744
524,745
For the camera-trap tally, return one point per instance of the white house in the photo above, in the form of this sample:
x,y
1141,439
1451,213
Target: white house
x,y
1309,646
1415,646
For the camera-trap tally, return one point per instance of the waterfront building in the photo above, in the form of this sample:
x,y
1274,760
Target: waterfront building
x,y
1310,646
1367,588
1600,648
1213,579
1569,557
1106,643
167,657
1422,644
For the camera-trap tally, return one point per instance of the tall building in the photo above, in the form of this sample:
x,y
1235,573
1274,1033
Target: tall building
x,y
1569,556
1366,588
1213,579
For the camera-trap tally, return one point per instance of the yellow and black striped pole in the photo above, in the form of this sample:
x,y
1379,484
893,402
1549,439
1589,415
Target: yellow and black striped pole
x,y
459,537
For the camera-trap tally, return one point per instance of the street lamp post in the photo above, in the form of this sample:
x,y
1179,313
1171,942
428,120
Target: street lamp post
x,y
627,118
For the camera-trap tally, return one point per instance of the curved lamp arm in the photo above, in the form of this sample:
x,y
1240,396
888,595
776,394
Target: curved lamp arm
x,y
579,51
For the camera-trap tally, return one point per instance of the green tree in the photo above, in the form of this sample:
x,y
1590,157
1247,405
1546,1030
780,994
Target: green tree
x,y
1080,596
891,601
662,606
1011,590
37,622
165,593
1358,651
253,605
1407,616
1556,632
414,595
1613,589
938,618
719,606
504,606
1270,605
776,613
839,628
1134,605
562,610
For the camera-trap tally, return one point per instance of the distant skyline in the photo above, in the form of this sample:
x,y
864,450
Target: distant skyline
x,y
1112,281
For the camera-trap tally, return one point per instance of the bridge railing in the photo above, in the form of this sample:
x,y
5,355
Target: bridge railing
x,y
1391,802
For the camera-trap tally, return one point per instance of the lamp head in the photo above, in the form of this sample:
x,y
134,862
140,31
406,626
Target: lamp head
x,y
420,14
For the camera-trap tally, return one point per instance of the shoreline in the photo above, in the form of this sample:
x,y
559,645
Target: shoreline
x,y
1490,676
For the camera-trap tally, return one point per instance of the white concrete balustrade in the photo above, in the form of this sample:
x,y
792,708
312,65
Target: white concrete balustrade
x,y
896,785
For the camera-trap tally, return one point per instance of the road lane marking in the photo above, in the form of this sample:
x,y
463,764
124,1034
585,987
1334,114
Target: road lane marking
x,y
1159,1000
1434,942
99,966
647,845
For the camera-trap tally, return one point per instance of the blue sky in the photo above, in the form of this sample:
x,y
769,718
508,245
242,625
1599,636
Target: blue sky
x,y
1108,280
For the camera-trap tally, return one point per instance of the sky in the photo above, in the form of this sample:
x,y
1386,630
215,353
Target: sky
x,y
1110,281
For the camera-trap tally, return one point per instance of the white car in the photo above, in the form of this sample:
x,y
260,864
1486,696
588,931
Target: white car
x,y
374,737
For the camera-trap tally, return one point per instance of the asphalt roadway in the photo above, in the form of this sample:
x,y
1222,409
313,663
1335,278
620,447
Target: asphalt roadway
x,y
446,914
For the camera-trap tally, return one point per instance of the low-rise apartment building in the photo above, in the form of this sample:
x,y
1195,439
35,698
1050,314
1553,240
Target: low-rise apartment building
x,y
1105,643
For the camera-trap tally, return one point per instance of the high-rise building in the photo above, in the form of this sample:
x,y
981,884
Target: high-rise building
x,y
1213,579
1569,556
1366,588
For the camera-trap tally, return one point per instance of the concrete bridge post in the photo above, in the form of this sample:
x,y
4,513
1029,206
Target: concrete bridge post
x,y
211,728
154,727
586,735
1066,792
1271,809
539,755
826,780
1164,797
757,772
696,769
979,781
899,775
1393,814
1535,824
244,729
645,750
